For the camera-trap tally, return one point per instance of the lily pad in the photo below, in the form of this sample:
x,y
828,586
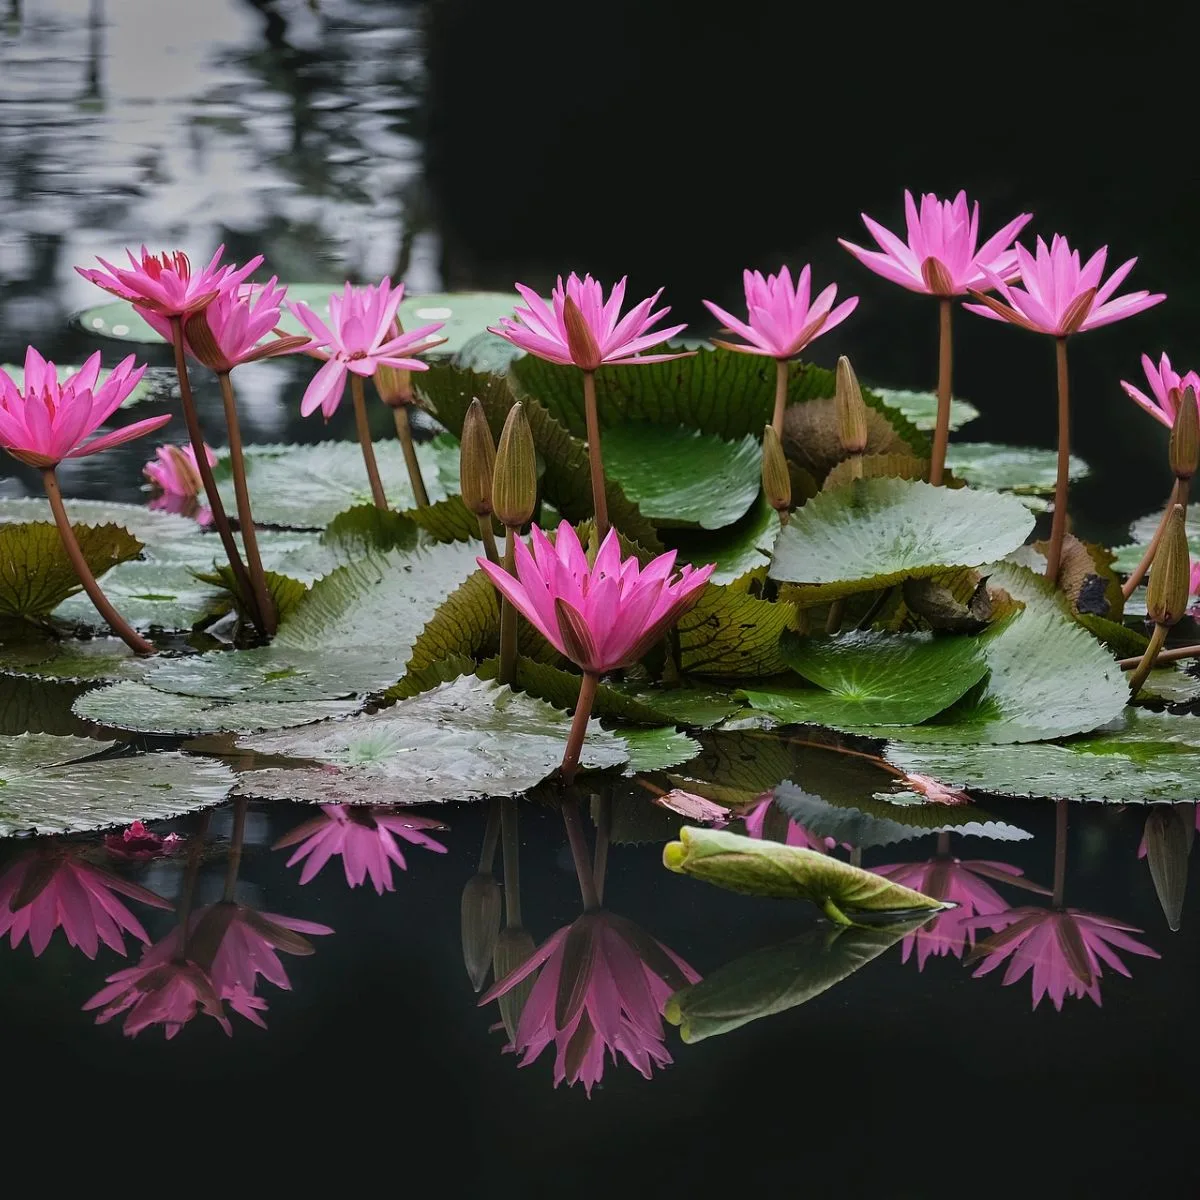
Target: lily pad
x,y
729,633
657,749
151,595
27,650
1022,469
54,785
921,407
1128,556
735,550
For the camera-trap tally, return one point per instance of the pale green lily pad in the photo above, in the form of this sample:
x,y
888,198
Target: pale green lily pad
x,y
46,789
1174,683
34,653
150,596
1129,555
158,383
735,550
921,407
1022,469
657,749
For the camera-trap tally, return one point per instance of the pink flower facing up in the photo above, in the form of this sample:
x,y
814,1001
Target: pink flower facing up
x,y
46,420
163,285
1166,389
51,887
941,257
1058,296
781,320
361,337
604,616
364,837
594,333
603,985
1064,948
139,844
756,821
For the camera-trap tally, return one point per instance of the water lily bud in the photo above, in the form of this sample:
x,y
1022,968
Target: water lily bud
x,y
393,385
514,948
777,482
851,411
1170,576
1185,436
937,278
581,342
481,902
477,461
514,482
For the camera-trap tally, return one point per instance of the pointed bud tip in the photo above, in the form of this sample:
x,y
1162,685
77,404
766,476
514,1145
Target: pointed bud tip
x,y
477,461
585,351
1170,575
851,409
1184,449
514,482
776,479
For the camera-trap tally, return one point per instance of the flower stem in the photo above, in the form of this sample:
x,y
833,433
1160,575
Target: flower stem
x,y
508,615
1058,528
578,843
603,835
116,622
258,578
781,390
510,831
236,841
833,619
196,436
583,710
364,440
595,461
1179,495
1127,664
943,844
491,837
941,431
404,433
1146,663
1060,853
183,911
489,540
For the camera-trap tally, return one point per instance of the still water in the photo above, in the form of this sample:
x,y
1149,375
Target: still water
x,y
303,132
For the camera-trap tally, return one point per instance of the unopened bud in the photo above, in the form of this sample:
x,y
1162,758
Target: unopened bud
x,y
1185,436
481,901
514,948
393,384
585,352
777,482
1170,575
937,278
851,411
514,481
477,461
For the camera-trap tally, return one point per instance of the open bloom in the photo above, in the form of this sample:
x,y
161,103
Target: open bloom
x,y
174,470
940,257
364,837
596,335
51,887
1166,389
164,285
604,616
1063,947
603,985
361,337
756,822
140,844
781,320
44,420
1057,295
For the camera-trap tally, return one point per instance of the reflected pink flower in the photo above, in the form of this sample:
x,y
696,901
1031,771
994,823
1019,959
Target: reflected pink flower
x,y
1057,295
163,285
1166,388
139,844
601,335
940,257
362,335
1194,578
364,837
797,835
603,985
1064,948
781,321
51,886
603,616
934,791
175,471
693,807
46,420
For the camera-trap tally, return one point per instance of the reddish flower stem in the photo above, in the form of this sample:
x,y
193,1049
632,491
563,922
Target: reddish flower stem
x,y
489,539
237,839
1127,664
404,433
1179,495
781,390
603,835
508,615
941,431
364,440
1060,853
578,844
583,710
943,844
1058,527
595,461
491,838
187,893
116,622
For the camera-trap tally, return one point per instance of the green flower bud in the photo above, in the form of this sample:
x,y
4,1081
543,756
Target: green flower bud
x,y
1185,436
514,483
851,411
1167,593
777,482
514,948
477,461
481,902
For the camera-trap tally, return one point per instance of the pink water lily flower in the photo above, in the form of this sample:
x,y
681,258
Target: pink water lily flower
x,y
781,320
174,470
139,844
1063,947
164,285
46,420
940,257
603,985
1057,295
1166,389
51,887
604,616
361,337
600,335
756,827
364,837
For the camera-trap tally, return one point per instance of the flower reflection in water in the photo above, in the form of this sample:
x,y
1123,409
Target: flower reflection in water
x,y
762,821
139,844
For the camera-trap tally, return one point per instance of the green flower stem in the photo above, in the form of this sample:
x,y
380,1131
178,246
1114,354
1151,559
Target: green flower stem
x,y
595,461
404,433
364,440
489,539
941,430
1127,664
508,616
833,620
583,710
258,578
1060,853
781,390
510,832
578,843
115,621
236,840
1058,527
1179,495
1146,664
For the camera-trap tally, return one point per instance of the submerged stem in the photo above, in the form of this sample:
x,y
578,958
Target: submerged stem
x,y
508,615
404,433
603,836
578,844
1058,527
510,829
595,461
781,390
941,430
943,844
183,911
491,837
1060,853
364,440
236,840
583,710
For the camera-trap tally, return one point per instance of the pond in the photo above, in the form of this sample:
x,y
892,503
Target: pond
x,y
707,1010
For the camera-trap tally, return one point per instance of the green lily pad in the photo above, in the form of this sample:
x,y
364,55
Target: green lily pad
x,y
921,407
150,595
365,529
31,651
1175,684
54,785
876,532
735,550
1128,556
448,520
682,478
695,706
1023,469
736,767
730,634
157,383
657,749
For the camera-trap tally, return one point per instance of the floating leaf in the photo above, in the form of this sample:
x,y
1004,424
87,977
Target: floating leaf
x,y
561,688
730,633
683,705
812,435
657,749
1174,684
876,466
1023,469
735,550
921,407
1128,556
736,768
365,529
151,595
28,650
164,536
448,520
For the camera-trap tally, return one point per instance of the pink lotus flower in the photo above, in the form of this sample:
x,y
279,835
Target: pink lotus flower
x,y
963,883
1166,388
50,887
45,420
603,985
1063,947
363,837
1057,295
599,335
756,820
174,469
163,285
781,321
139,844
362,336
601,617
940,258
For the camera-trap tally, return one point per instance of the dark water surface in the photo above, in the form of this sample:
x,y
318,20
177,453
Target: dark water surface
x,y
434,143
